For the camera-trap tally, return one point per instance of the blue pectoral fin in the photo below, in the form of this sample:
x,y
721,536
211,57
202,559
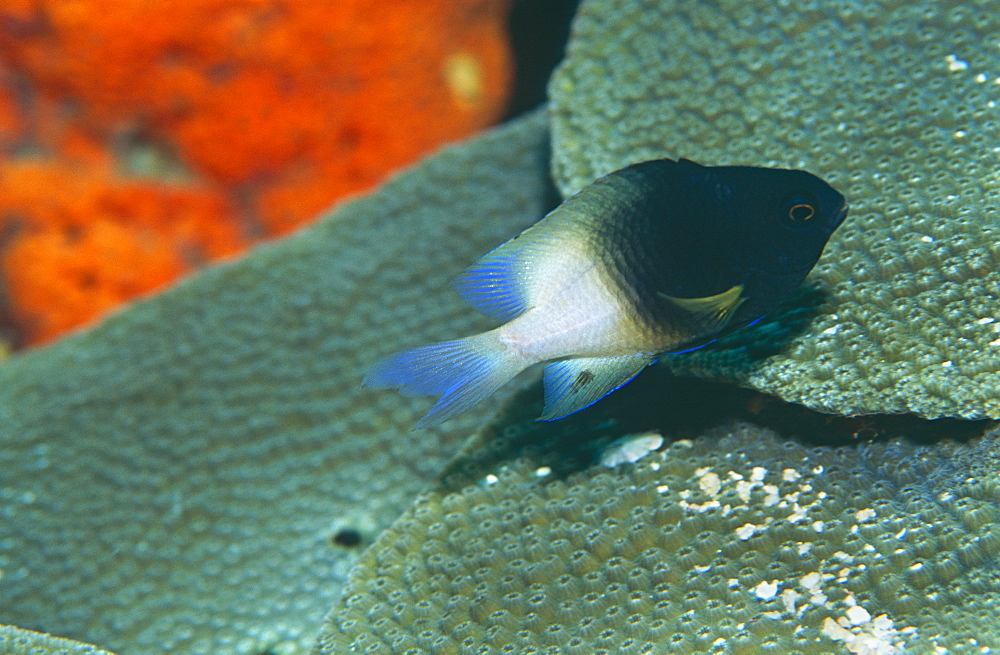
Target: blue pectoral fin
x,y
574,384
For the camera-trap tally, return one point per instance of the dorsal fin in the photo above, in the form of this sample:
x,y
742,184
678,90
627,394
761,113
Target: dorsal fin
x,y
493,285
688,162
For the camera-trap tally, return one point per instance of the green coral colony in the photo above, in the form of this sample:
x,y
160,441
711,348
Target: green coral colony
x,y
184,496
740,536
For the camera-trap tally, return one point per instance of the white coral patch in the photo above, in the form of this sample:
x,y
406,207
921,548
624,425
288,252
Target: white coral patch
x,y
859,633
956,64
857,615
710,483
790,475
863,515
631,448
766,590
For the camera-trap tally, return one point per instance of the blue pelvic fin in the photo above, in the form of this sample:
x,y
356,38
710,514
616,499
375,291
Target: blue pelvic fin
x,y
575,384
462,372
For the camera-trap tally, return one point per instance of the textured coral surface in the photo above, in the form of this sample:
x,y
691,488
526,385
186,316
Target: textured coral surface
x,y
197,474
756,527
137,140
896,104
16,641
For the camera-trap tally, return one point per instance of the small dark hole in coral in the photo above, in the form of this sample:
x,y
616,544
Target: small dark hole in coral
x,y
347,538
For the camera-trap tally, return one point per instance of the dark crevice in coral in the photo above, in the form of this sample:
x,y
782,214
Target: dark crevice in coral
x,y
141,153
24,143
244,198
539,30
551,198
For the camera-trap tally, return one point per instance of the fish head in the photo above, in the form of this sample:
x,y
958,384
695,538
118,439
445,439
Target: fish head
x,y
735,218
797,214
784,220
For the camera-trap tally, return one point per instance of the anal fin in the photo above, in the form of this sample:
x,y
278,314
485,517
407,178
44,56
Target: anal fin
x,y
574,384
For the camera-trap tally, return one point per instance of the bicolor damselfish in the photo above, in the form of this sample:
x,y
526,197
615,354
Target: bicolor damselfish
x,y
660,257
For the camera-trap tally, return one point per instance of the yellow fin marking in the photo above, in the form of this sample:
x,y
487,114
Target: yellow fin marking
x,y
711,312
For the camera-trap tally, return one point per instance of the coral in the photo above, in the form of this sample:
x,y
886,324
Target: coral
x,y
15,641
272,110
197,474
894,104
758,527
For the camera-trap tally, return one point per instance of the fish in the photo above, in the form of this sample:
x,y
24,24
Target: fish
x,y
657,258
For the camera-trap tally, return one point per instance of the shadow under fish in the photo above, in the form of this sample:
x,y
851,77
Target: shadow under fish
x,y
659,257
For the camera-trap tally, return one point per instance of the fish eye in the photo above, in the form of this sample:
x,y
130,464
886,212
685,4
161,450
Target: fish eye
x,y
801,212
799,208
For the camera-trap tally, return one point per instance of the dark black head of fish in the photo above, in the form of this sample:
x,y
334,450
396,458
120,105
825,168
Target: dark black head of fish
x,y
763,228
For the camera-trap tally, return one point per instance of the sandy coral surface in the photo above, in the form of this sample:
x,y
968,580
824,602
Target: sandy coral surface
x,y
201,473
689,518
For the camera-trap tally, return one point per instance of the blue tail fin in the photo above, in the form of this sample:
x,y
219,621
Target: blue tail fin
x,y
462,372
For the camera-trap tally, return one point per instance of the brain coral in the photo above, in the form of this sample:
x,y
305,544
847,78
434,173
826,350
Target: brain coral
x,y
265,111
896,104
758,527
197,474
15,641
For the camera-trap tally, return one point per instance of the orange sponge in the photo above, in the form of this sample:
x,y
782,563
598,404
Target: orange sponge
x,y
82,243
132,135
